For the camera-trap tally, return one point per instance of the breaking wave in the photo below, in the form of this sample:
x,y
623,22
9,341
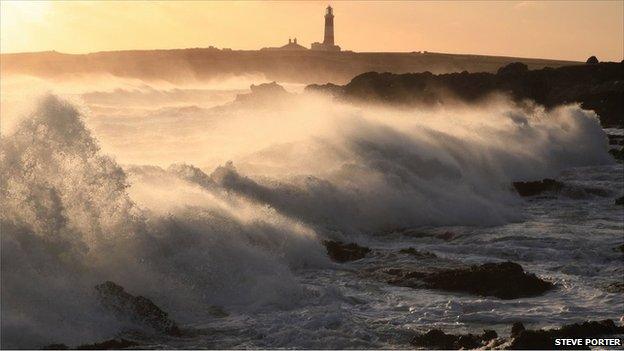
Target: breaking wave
x,y
234,236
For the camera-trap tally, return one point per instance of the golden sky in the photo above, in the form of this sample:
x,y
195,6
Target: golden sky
x,y
557,29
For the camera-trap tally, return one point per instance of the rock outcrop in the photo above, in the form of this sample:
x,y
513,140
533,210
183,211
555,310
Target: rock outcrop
x,y
520,337
537,187
266,95
544,339
506,280
592,60
437,339
598,87
137,309
617,154
341,252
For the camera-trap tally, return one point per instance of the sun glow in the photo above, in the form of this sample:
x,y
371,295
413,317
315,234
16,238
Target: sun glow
x,y
16,15
557,30
18,12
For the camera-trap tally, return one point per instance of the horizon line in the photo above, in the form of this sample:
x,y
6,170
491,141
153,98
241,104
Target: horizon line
x,y
421,52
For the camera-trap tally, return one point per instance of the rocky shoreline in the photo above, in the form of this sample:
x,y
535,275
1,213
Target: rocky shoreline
x,y
520,338
598,87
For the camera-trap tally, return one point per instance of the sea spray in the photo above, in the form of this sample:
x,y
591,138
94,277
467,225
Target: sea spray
x,y
235,235
68,223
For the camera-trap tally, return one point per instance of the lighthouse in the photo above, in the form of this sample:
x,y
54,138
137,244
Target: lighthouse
x,y
328,39
329,27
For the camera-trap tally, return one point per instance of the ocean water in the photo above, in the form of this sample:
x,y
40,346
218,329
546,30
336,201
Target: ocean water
x,y
216,211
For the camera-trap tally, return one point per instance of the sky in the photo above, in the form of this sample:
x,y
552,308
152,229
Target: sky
x,y
572,30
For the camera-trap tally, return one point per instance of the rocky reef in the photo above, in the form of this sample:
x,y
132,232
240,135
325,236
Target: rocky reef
x,y
265,95
437,339
598,87
537,187
505,280
126,307
137,309
520,337
341,252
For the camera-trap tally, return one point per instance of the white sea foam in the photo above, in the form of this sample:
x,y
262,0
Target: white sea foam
x,y
235,234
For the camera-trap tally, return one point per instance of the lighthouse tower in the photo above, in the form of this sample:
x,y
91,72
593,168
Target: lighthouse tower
x,y
328,41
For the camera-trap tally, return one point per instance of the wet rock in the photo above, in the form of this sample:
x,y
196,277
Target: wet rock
x,y
615,139
617,287
341,252
516,329
544,339
519,339
488,335
417,253
112,344
620,201
137,309
537,187
617,154
506,280
437,339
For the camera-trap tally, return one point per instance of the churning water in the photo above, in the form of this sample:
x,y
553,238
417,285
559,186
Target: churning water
x,y
216,211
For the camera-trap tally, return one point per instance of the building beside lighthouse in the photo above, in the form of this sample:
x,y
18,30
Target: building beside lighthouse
x,y
292,45
328,39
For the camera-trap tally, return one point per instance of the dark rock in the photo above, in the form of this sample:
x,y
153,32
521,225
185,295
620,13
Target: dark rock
x,y
545,339
341,252
615,139
617,154
517,328
137,309
533,340
537,187
489,334
329,88
506,280
437,339
264,95
617,287
596,87
520,338
55,347
417,253
513,68
112,344
620,201
468,341
592,60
